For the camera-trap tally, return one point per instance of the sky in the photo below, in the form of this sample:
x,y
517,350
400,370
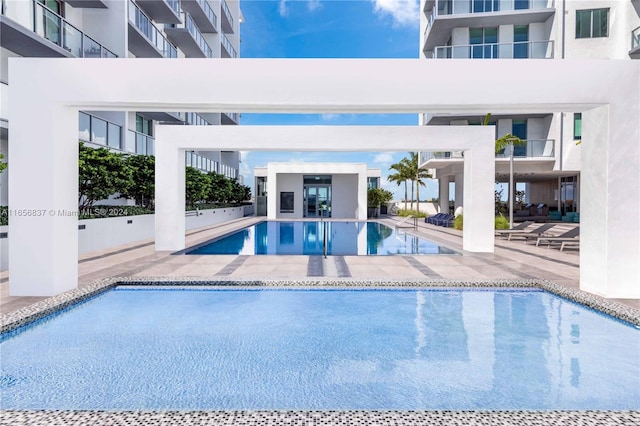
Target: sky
x,y
331,29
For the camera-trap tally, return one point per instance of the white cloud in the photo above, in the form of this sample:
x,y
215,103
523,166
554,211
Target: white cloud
x,y
283,10
330,117
403,12
383,158
313,5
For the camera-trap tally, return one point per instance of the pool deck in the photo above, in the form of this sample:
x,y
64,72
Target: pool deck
x,y
512,261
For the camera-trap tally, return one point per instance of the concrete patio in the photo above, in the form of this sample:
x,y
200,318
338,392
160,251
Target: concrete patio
x,y
511,260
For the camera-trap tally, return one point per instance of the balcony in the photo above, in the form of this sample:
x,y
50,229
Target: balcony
x,y
228,51
140,143
227,19
532,149
202,14
145,40
634,53
33,30
516,50
230,118
189,38
88,4
445,15
161,11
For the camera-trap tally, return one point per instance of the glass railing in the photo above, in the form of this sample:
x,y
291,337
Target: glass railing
x,y
99,131
53,27
521,49
4,100
635,38
175,5
227,45
460,7
146,27
209,12
191,26
233,115
140,143
531,148
227,12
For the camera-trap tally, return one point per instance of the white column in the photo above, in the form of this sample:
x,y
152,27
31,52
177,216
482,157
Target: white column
x,y
479,176
610,202
272,195
170,193
459,196
443,194
43,198
362,194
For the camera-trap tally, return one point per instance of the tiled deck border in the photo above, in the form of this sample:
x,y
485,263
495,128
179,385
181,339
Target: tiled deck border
x,y
321,418
21,317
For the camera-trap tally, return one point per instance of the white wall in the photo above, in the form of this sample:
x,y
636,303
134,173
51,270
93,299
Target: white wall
x,y
344,196
289,182
100,234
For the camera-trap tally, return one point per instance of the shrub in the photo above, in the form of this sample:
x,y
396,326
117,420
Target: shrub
x,y
457,222
501,222
414,213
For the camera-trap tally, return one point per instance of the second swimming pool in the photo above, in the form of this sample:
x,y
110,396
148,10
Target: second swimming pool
x,y
307,238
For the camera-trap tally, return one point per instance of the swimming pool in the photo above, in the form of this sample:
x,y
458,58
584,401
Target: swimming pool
x,y
201,348
306,238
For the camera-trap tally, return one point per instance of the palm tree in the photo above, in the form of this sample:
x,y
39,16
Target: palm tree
x,y
417,175
401,175
502,143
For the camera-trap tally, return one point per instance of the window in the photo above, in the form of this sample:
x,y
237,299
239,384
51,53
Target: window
x,y
144,125
98,131
486,39
592,23
84,127
519,129
485,5
520,41
577,126
113,135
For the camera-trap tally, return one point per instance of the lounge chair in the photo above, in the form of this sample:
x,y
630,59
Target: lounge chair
x,y
570,235
444,221
436,216
519,227
538,232
573,242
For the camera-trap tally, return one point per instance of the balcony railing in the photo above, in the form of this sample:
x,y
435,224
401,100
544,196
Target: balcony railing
x,y
140,143
99,131
520,49
54,28
227,12
233,116
4,100
458,7
532,148
209,12
153,35
635,38
191,26
228,47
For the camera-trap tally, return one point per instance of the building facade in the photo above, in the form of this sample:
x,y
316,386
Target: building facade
x,y
123,29
314,190
547,165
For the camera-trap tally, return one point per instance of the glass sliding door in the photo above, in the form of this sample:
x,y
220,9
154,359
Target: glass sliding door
x,y
317,196
519,129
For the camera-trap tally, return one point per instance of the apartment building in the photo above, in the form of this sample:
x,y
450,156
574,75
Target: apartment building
x,y
123,29
548,164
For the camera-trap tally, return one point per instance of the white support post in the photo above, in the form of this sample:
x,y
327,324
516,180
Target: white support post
x,y
443,193
479,175
459,190
362,195
43,199
272,185
170,195
610,204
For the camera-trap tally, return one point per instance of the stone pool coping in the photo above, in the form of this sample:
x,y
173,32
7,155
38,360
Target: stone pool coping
x,y
24,316
318,418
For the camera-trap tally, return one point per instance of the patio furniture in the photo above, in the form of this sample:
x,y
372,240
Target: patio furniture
x,y
538,232
570,235
520,227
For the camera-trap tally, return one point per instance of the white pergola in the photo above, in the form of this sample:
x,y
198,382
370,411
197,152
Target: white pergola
x,y
44,112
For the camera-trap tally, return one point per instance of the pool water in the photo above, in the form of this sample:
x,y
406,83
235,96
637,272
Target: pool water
x,y
307,238
202,348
